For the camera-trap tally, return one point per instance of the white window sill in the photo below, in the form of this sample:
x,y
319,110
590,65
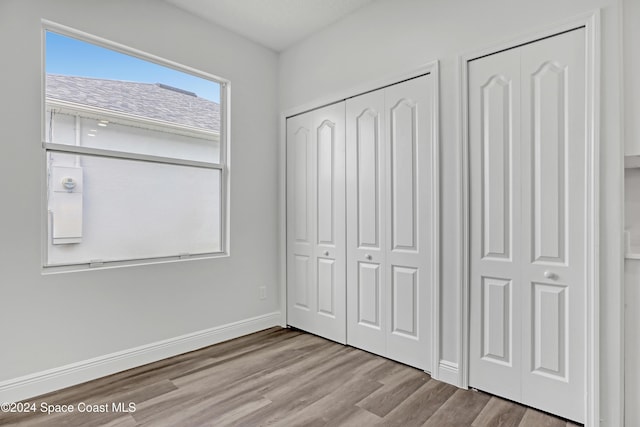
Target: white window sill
x,y
57,269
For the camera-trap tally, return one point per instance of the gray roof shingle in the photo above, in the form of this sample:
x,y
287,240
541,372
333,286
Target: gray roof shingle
x,y
154,101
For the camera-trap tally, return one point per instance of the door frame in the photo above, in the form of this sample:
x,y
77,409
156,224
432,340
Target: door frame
x,y
591,22
432,68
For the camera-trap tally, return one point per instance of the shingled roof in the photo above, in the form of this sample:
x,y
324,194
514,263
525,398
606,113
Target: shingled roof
x,y
154,101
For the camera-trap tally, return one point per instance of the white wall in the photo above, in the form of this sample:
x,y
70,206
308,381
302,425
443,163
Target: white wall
x,y
632,75
47,321
631,42
389,37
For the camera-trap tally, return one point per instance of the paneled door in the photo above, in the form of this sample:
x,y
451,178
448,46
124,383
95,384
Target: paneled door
x,y
527,147
316,295
390,189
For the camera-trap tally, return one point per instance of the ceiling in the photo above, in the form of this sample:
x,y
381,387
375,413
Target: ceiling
x,y
276,24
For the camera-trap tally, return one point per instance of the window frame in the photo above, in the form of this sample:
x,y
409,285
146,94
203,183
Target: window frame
x,y
223,165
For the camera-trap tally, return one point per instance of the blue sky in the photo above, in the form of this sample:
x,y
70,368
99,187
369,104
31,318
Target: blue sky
x,y
72,57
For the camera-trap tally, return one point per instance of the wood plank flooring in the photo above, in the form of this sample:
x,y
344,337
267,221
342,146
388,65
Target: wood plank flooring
x,y
279,377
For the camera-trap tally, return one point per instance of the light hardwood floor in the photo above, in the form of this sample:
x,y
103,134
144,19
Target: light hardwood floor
x,y
280,377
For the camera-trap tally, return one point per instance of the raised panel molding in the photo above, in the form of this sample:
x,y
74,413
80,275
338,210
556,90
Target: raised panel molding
x,y
301,148
550,135
367,146
326,287
369,303
497,139
404,189
325,163
550,333
302,282
497,320
404,304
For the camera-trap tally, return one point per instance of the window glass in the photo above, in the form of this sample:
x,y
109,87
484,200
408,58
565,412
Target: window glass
x,y
135,158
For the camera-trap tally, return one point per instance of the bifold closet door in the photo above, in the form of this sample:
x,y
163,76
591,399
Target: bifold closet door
x,y
527,146
316,294
390,149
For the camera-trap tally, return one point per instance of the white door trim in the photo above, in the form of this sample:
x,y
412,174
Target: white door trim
x,y
591,22
429,68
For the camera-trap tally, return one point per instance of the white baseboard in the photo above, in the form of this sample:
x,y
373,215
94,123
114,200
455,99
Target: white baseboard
x,y
448,372
39,383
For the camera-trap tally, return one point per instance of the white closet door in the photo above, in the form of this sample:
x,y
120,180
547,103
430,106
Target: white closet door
x,y
410,191
316,293
528,219
390,187
554,217
366,234
495,285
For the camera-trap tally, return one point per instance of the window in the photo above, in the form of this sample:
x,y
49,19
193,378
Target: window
x,y
135,152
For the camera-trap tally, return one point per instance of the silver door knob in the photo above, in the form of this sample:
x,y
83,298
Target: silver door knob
x,y
550,275
326,253
369,257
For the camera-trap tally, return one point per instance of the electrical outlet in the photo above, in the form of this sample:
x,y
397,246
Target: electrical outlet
x,y
262,292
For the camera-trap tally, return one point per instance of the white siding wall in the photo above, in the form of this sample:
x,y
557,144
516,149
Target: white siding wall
x,y
130,209
389,37
130,138
48,321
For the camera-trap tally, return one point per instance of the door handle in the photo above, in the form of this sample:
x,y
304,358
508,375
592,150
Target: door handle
x,y
550,275
326,253
368,256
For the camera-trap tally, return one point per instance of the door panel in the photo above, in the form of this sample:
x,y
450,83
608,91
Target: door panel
x,y
550,131
554,248
302,282
300,250
549,330
367,128
367,288
326,287
300,194
495,284
404,301
496,164
316,288
409,110
527,146
496,317
403,124
369,298
326,185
